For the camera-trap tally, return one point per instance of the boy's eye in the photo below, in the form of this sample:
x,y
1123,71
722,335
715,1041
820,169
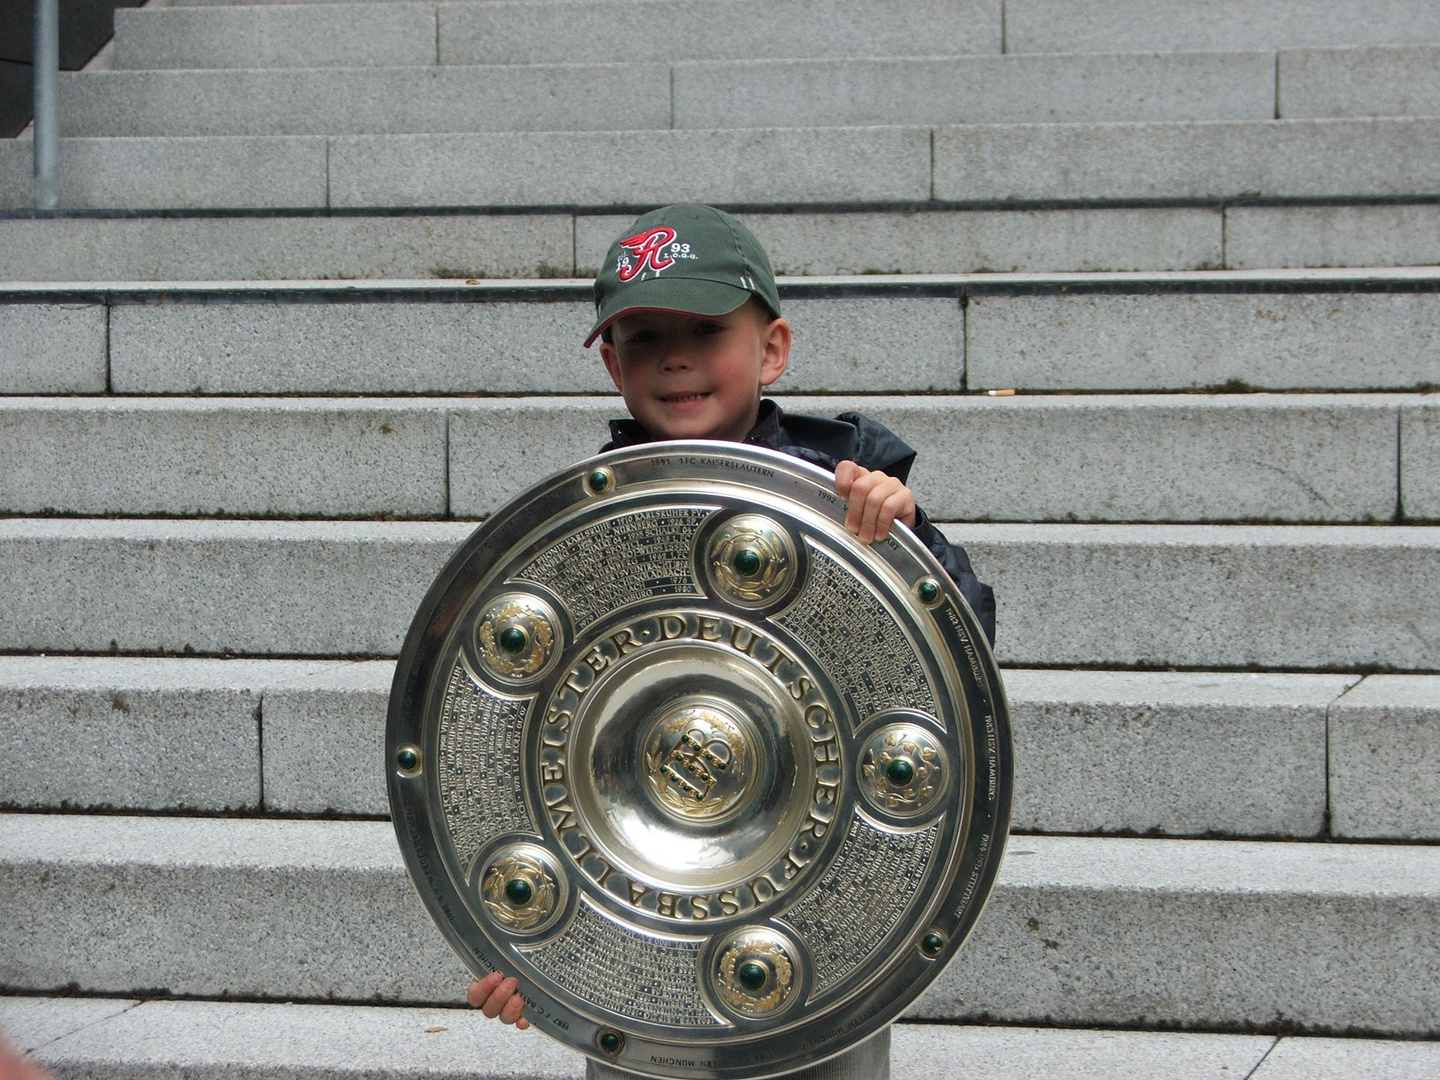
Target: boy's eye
x,y
710,328
641,337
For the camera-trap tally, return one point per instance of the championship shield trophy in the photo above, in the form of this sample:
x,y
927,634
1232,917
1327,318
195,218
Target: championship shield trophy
x,y
721,786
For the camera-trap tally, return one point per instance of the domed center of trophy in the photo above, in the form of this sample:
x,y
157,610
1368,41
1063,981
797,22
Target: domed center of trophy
x,y
712,767
698,761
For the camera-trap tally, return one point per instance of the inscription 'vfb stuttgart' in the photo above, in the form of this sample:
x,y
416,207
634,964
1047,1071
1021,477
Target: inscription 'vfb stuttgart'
x,y
766,654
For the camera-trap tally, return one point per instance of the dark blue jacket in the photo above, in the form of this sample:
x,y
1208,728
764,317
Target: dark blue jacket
x,y
849,437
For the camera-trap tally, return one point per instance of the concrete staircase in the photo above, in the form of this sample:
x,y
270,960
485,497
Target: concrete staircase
x,y
1199,238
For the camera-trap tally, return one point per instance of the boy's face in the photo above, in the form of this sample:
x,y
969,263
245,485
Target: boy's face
x,y
696,377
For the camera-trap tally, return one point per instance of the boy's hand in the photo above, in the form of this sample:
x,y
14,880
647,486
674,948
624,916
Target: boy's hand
x,y
17,1066
877,500
495,995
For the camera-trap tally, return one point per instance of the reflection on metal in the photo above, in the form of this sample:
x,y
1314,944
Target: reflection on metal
x,y
520,889
751,561
723,788
755,973
516,636
697,759
902,770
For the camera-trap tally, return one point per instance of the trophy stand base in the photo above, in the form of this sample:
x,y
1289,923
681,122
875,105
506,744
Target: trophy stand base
x,y
868,1061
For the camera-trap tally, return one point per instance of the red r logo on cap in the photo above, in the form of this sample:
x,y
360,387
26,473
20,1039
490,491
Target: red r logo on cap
x,y
646,248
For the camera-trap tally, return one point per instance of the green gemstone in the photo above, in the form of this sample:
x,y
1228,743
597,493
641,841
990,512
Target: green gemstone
x,y
407,759
598,480
609,1041
752,974
928,592
518,891
932,943
746,561
513,639
900,772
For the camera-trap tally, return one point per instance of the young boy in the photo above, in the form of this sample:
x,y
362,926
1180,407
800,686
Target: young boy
x,y
691,334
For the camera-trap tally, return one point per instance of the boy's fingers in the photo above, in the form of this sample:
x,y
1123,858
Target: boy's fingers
x,y
873,523
500,997
845,474
875,501
893,509
875,526
510,1014
480,989
17,1066
497,996
887,501
856,493
900,506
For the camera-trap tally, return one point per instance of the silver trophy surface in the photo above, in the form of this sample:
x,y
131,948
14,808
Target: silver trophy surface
x,y
721,786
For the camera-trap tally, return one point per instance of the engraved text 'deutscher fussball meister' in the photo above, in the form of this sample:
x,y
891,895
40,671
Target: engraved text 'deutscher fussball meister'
x,y
721,786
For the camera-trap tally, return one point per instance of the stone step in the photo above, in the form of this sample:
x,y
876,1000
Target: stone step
x,y
299,588
288,35
1208,934
977,90
1394,80
386,246
1281,158
1158,753
499,32
206,736
561,32
1096,25
220,247
1212,596
205,1040
1076,338
1026,88
1386,719
354,100
729,94
502,338
1119,458
978,165
518,31
1312,330
1176,753
1293,597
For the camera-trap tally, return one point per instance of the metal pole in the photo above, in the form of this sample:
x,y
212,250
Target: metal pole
x,y
47,131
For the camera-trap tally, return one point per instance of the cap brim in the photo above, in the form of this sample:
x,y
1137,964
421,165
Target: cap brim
x,y
682,296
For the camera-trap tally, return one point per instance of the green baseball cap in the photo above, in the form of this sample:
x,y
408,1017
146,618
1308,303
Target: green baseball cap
x,y
694,260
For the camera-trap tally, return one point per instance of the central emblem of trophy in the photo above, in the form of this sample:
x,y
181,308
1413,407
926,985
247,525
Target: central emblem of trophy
x,y
721,786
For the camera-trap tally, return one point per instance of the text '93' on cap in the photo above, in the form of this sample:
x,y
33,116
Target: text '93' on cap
x,y
694,260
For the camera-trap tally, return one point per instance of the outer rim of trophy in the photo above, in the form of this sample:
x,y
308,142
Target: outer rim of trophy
x,y
978,846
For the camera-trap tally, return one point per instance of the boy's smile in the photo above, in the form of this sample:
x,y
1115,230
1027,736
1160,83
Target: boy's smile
x,y
696,376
